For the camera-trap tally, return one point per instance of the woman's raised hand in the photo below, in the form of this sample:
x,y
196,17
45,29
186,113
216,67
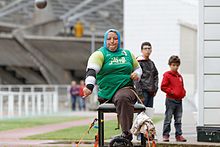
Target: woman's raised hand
x,y
86,92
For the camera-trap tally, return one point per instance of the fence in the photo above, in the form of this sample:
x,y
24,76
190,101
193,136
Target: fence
x,y
31,100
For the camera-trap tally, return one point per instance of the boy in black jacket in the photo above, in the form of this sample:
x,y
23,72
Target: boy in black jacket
x,y
148,85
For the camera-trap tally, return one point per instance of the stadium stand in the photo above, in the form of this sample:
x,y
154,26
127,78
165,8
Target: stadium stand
x,y
38,46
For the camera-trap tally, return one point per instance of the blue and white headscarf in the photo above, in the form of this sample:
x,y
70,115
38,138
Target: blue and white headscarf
x,y
106,37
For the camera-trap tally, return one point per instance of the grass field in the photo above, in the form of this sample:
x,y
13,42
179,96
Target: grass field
x,y
75,133
10,124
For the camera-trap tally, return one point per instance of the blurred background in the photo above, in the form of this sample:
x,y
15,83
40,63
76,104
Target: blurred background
x,y
52,45
171,27
43,50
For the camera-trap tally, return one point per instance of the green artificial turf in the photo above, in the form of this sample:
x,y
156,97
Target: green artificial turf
x,y
75,133
10,124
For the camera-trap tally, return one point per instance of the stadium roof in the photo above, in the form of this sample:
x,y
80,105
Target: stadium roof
x,y
104,14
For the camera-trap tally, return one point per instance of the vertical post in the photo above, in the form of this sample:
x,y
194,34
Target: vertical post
x,y
45,103
26,97
26,104
39,103
45,99
10,103
92,29
1,106
200,64
33,103
33,100
19,103
55,99
26,100
49,97
101,128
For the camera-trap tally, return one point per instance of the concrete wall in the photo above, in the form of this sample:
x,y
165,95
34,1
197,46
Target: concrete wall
x,y
188,54
157,22
209,58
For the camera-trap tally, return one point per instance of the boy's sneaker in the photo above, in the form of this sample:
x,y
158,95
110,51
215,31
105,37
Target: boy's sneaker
x,y
180,138
166,138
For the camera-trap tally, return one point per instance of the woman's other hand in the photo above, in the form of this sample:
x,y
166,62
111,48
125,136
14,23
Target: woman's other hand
x,y
134,76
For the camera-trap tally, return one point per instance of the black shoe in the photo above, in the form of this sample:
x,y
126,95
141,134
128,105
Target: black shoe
x,y
127,135
120,141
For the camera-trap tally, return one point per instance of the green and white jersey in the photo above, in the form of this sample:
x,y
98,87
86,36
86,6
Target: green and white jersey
x,y
113,70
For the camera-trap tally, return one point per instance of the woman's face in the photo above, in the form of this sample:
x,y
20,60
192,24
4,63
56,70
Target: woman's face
x,y
112,41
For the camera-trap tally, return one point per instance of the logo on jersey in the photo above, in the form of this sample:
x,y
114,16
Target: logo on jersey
x,y
117,60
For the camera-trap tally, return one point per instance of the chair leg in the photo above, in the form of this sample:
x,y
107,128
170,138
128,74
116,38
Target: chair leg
x,y
143,140
101,128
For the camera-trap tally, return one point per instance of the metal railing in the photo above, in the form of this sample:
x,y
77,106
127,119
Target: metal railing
x,y
31,100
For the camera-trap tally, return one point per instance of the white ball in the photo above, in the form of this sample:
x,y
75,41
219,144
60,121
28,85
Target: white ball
x,y
41,3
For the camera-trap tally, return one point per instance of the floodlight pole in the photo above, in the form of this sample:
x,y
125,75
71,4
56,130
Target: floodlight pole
x,y
92,29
